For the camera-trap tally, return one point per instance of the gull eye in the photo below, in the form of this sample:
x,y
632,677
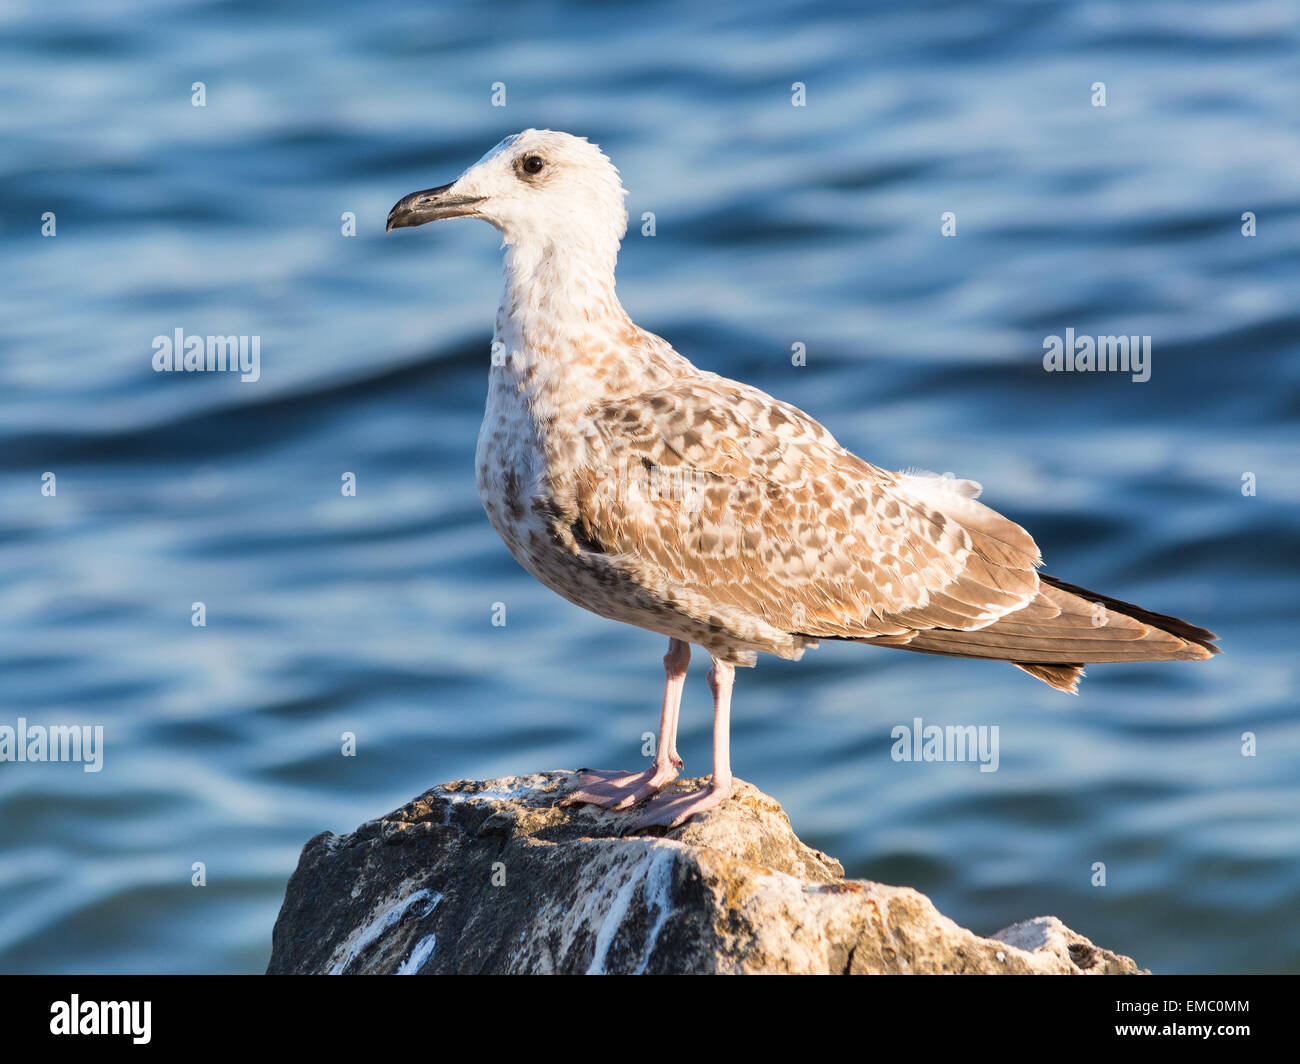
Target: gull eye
x,y
533,164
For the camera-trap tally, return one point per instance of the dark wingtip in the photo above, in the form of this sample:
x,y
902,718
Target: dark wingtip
x,y
1193,634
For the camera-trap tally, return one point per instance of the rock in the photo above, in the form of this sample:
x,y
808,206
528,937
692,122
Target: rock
x,y
495,877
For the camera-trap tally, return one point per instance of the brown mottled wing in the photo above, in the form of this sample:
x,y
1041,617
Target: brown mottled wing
x,y
750,509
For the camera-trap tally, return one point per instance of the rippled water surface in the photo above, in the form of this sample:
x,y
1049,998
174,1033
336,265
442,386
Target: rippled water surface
x,y
775,225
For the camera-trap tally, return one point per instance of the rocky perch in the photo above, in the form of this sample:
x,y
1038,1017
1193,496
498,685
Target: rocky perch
x,y
495,877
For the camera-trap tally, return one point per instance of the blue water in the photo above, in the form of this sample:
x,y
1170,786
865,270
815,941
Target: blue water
x,y
775,225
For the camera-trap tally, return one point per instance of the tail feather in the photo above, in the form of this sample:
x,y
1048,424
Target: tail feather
x,y
1062,677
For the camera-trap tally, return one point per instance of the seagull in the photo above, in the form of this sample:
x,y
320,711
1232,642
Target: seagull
x,y
651,492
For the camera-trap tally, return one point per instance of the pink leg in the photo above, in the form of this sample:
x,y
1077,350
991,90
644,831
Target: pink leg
x,y
614,789
672,810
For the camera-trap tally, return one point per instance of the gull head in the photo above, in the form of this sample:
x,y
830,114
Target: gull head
x,y
542,189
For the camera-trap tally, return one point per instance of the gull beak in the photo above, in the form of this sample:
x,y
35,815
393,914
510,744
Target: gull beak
x,y
431,205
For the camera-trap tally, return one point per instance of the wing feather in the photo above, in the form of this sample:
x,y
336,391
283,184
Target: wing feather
x,y
747,505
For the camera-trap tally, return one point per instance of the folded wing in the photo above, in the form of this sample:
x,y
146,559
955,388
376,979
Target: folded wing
x,y
744,507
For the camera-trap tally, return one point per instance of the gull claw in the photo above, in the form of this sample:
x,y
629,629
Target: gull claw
x,y
673,810
612,789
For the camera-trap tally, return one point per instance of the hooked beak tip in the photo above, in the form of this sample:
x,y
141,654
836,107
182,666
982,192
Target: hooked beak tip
x,y
430,205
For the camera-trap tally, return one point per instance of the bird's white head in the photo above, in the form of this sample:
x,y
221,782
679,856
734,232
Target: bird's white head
x,y
545,191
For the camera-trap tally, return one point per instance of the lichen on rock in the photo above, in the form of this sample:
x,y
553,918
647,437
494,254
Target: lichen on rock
x,y
496,877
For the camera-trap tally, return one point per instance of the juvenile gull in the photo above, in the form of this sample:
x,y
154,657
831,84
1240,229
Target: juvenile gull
x,y
649,491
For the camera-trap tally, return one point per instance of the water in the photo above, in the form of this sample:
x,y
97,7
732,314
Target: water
x,y
775,225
